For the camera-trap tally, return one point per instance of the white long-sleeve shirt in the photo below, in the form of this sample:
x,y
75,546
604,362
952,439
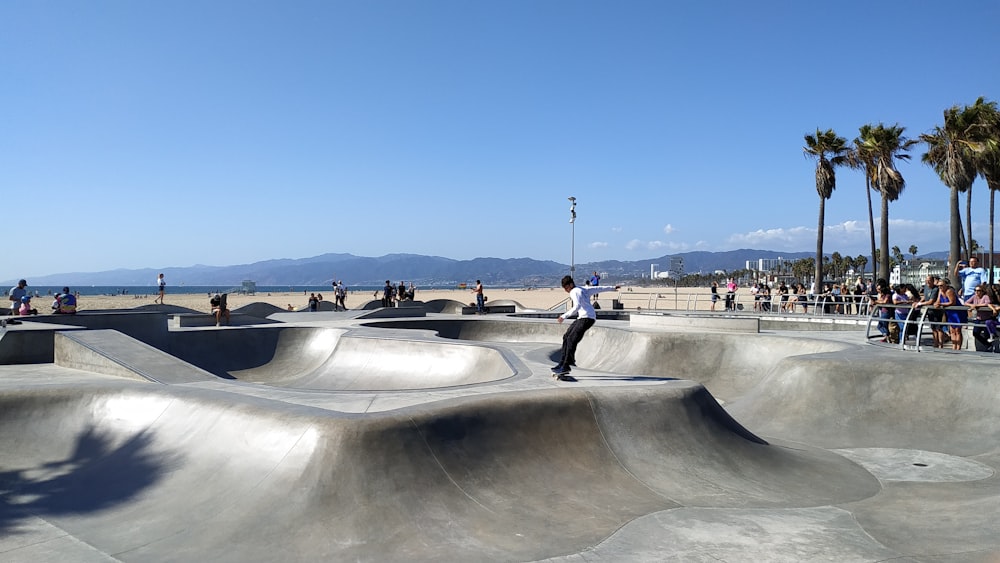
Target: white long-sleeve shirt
x,y
579,298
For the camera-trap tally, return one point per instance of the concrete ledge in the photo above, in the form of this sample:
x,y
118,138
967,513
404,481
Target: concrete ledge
x,y
503,309
699,323
112,353
388,312
208,319
146,326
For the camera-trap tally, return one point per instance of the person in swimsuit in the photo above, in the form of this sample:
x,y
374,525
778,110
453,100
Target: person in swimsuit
x,y
953,316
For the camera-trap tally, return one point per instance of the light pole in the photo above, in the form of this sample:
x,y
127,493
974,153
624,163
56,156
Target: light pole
x,y
572,246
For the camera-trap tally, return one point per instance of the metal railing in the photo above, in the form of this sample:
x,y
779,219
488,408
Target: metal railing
x,y
916,325
698,300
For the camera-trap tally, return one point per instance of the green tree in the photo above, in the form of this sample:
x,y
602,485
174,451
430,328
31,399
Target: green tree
x,y
913,252
882,147
838,264
897,254
861,261
950,152
862,158
830,151
987,159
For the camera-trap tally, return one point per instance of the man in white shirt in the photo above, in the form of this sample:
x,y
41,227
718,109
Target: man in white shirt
x,y
579,303
970,276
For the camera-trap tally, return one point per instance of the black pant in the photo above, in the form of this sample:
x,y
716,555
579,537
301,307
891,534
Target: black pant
x,y
572,337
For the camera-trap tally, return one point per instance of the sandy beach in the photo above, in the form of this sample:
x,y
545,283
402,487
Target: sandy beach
x,y
540,298
543,298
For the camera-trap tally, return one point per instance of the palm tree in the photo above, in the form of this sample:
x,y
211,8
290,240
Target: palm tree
x,y
838,264
861,262
830,151
950,153
913,252
881,147
987,158
860,158
897,254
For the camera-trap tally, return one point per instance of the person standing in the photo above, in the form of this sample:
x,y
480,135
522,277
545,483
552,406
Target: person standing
x,y
595,279
387,294
715,294
586,317
954,317
161,285
970,276
15,294
340,296
480,301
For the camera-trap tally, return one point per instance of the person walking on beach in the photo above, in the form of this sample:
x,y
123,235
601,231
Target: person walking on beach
x,y
579,304
340,296
161,285
480,302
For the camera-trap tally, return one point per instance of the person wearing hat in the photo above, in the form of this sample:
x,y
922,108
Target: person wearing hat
x,y
15,295
65,303
25,308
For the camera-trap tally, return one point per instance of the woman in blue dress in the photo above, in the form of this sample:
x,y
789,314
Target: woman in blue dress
x,y
954,317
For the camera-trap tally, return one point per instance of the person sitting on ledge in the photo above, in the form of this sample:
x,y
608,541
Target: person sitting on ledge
x,y
65,303
219,308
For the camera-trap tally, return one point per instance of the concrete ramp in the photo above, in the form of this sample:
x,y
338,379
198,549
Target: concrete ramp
x,y
377,364
325,359
178,474
112,353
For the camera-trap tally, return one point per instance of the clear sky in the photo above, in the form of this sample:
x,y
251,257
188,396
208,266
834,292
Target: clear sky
x,y
168,134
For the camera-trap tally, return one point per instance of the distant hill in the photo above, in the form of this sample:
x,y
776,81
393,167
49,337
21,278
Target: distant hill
x,y
424,271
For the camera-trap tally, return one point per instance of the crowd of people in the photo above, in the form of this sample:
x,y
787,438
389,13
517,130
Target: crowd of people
x,y
945,308
63,303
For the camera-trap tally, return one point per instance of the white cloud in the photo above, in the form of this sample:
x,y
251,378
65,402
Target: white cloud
x,y
659,245
778,239
669,229
616,229
597,244
847,236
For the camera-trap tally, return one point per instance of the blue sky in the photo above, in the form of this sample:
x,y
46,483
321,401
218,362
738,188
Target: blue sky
x,y
458,128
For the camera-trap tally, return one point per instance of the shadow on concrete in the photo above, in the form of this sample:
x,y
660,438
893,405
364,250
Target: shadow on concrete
x,y
96,476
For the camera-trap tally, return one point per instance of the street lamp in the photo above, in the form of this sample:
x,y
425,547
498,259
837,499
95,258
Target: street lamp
x,y
572,247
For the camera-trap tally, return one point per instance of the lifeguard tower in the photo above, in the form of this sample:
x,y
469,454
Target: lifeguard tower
x,y
249,287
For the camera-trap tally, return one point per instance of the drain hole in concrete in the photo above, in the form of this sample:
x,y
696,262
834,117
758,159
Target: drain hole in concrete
x,y
920,464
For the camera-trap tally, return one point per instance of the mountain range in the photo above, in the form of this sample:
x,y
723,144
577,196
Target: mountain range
x,y
424,271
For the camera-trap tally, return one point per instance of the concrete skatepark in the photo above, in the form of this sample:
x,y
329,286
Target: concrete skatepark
x,y
417,435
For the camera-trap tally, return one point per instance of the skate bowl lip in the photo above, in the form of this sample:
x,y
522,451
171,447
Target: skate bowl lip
x,y
325,359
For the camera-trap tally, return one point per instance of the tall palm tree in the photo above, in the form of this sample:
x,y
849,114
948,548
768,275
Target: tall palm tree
x,y
987,158
913,252
950,151
879,148
860,158
830,151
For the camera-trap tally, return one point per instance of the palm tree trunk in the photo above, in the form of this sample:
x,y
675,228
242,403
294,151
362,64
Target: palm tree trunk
x,y
992,197
955,220
884,240
871,219
963,243
819,243
968,218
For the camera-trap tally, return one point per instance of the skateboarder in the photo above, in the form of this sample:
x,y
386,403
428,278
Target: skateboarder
x,y
579,303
